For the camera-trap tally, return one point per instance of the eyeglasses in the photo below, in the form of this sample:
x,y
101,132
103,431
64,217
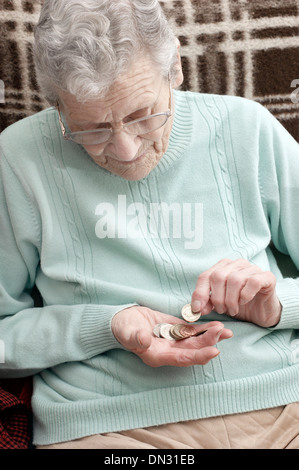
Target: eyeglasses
x,y
141,126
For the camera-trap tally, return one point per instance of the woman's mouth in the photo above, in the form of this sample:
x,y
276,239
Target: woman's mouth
x,y
134,160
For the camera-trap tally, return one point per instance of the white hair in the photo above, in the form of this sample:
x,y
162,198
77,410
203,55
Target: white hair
x,y
81,46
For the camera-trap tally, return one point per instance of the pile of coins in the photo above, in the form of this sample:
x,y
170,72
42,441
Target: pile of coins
x,y
180,330
176,332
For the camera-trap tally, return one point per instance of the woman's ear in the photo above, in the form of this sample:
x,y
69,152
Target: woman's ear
x,y
179,77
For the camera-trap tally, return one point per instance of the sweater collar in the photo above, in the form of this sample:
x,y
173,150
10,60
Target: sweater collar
x,y
180,136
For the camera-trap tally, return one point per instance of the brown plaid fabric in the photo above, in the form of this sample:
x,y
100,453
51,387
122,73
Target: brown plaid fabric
x,y
19,94
247,48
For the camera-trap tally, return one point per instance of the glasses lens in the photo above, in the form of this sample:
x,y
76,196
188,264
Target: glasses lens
x,y
91,138
146,126
142,127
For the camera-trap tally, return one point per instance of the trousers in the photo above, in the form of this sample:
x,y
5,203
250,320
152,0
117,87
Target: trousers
x,y
273,428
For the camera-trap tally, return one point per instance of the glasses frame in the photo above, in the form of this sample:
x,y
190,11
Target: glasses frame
x,y
125,126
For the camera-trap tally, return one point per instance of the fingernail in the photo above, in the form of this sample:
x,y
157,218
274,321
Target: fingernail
x,y
219,334
216,354
196,306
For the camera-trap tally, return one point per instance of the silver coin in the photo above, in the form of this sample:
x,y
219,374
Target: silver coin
x,y
156,330
188,315
165,331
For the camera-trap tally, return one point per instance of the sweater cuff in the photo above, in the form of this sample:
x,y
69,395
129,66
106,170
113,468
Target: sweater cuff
x,y
96,333
288,293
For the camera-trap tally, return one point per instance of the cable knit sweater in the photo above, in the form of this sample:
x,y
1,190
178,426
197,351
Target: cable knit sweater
x,y
94,243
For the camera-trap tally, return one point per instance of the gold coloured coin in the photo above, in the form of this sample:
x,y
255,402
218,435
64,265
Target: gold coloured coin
x,y
175,331
182,331
188,315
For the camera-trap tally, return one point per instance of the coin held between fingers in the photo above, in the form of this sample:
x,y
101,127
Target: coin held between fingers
x,y
188,315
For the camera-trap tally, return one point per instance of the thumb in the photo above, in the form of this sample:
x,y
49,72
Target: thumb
x,y
143,339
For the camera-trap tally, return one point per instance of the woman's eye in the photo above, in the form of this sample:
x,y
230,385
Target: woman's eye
x,y
105,125
137,115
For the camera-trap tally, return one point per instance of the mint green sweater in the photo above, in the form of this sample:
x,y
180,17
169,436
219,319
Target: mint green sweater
x,y
94,243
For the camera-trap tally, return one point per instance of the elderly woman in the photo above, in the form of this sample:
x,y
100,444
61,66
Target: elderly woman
x,y
125,202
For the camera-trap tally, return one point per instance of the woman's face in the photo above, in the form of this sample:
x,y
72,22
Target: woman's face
x,y
139,93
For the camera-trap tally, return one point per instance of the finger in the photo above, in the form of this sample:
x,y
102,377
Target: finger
x,y
263,283
226,333
181,357
213,335
195,357
235,283
201,301
230,277
143,339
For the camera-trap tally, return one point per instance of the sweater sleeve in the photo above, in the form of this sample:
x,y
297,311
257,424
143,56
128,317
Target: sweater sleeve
x,y
279,183
36,338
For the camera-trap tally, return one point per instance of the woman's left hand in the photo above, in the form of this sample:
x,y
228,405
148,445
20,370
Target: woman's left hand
x,y
239,289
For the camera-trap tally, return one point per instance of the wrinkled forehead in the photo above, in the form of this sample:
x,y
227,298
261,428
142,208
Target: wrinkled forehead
x,y
140,88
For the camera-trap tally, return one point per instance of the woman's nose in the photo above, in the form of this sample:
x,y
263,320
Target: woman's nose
x,y
125,146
